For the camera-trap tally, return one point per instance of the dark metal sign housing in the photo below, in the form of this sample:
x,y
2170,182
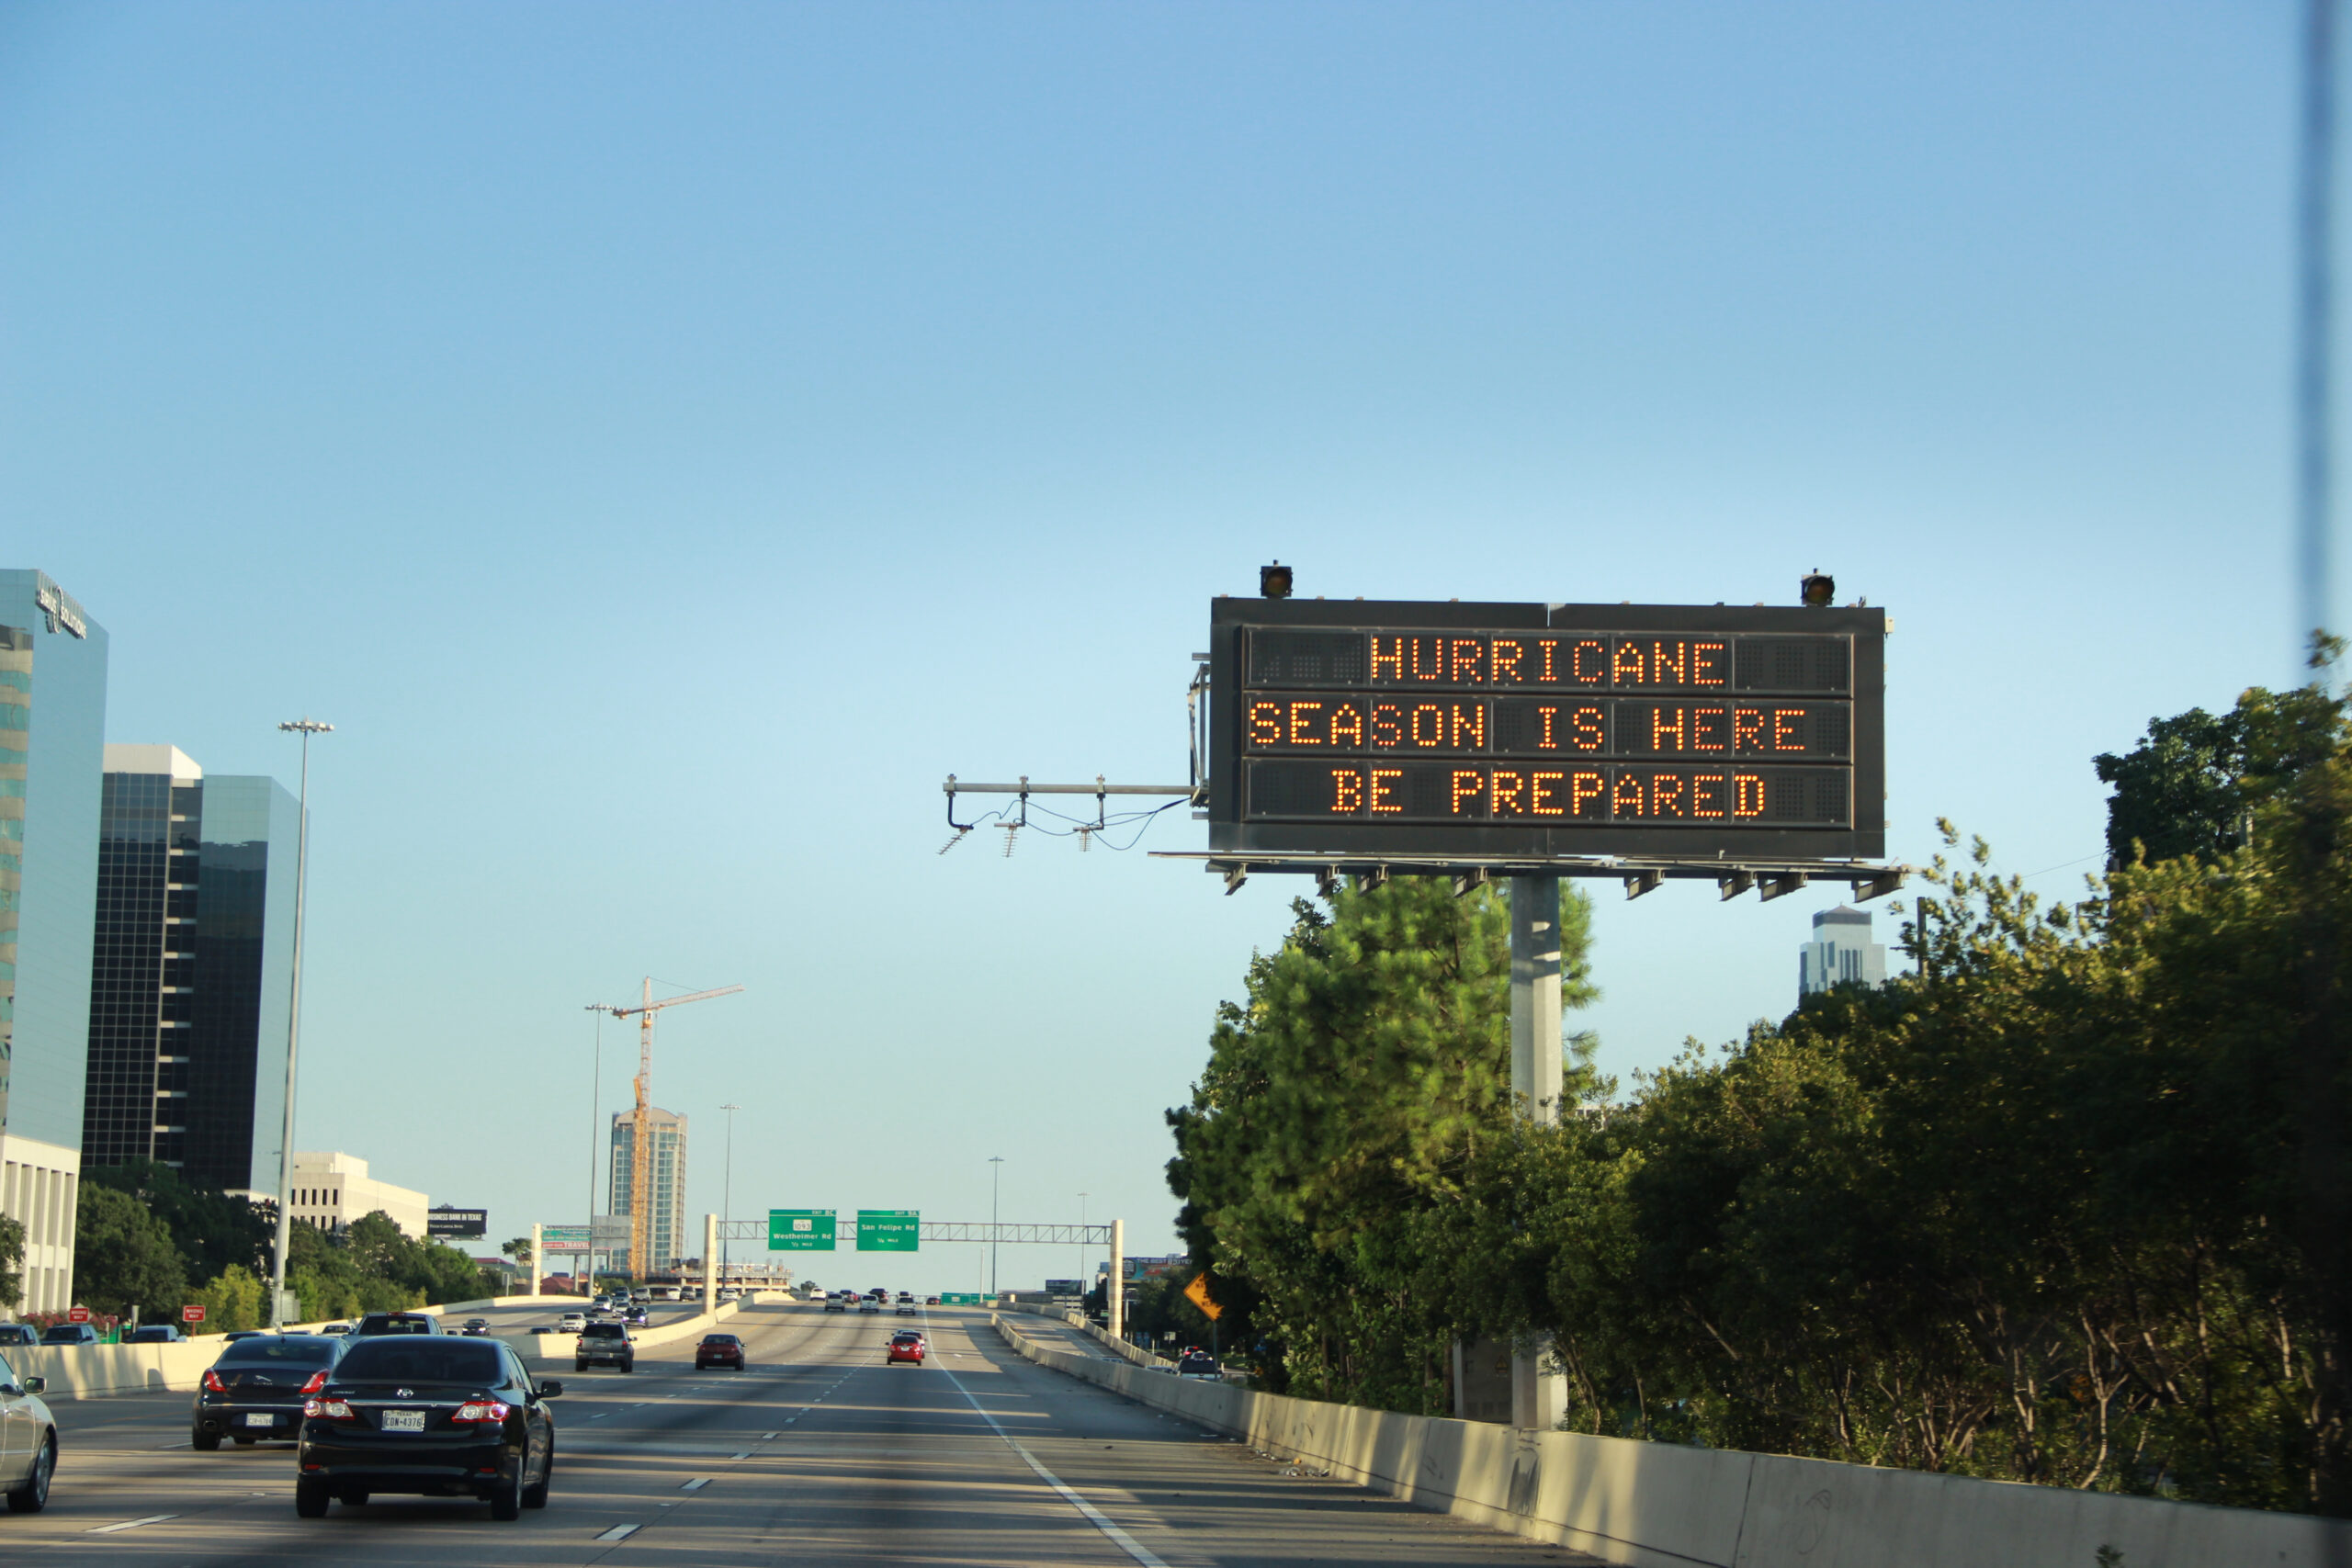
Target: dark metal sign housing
x,y
454,1222
1534,732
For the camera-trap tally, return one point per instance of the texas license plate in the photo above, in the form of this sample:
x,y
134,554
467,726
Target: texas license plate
x,y
403,1420
260,1419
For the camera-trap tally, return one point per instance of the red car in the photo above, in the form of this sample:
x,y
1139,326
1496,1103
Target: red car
x,y
907,1345
719,1350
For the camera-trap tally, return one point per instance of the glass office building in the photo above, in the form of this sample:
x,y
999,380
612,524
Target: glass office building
x,y
52,729
665,1175
191,970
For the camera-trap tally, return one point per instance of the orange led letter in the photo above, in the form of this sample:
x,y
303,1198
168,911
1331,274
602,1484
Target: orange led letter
x,y
1595,673
1782,727
1347,791
1747,729
1436,670
1474,719
1698,796
1347,724
1747,794
1665,794
1436,736
1584,787
1539,801
1677,665
1300,714
1466,655
1626,800
1506,789
1698,729
1588,735
1385,732
1625,668
1384,799
1548,742
1265,722
1707,663
1660,730
1393,658
1505,661
1466,782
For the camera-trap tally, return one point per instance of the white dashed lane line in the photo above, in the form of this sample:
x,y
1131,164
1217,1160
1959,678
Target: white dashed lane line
x,y
620,1532
130,1524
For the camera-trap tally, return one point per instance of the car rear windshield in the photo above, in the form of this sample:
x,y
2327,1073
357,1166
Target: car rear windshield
x,y
282,1352
718,1339
604,1331
410,1361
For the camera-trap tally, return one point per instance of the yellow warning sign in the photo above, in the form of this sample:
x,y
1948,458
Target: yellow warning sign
x,y
1197,1292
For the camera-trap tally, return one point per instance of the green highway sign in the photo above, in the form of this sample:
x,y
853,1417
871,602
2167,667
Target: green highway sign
x,y
962,1299
889,1230
800,1229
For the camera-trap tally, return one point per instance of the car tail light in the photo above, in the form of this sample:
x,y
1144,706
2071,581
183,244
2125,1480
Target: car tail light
x,y
480,1412
318,1380
212,1383
328,1410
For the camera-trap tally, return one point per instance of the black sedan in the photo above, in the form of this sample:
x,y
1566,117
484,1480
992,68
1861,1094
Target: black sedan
x,y
256,1389
439,1415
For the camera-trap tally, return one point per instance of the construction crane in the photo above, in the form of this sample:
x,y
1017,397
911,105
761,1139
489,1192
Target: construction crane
x,y
640,1154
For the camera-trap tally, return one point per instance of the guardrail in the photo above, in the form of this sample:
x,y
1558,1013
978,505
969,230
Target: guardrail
x,y
1661,1506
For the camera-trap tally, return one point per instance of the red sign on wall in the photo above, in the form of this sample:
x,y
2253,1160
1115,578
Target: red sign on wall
x,y
77,1315
191,1314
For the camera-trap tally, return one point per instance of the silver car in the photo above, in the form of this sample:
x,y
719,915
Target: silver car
x,y
28,1442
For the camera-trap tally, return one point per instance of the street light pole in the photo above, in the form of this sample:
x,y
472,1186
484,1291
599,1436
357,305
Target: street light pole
x,y
595,1145
305,728
994,1162
1082,1246
727,1200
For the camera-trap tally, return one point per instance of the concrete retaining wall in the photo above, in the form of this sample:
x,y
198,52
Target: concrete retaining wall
x,y
1658,1505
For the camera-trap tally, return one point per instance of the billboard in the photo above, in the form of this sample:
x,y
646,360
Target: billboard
x,y
1400,728
447,1220
563,1238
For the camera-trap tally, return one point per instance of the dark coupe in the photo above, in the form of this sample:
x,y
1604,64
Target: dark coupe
x,y
257,1387
439,1415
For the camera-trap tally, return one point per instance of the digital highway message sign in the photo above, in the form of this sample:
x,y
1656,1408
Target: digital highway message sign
x,y
1536,731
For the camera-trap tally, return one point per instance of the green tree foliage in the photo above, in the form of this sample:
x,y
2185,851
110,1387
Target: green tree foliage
x,y
1322,1158
12,1262
232,1300
123,1255
212,1230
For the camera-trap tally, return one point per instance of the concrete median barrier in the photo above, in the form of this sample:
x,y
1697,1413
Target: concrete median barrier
x,y
1660,1506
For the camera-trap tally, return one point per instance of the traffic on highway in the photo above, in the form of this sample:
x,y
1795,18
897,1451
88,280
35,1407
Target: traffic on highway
x,y
819,1438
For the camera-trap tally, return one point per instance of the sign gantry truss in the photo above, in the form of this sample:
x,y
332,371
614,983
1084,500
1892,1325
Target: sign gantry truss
x,y
1005,1231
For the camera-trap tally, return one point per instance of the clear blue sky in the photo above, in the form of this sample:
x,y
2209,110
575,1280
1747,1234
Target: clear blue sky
x,y
666,440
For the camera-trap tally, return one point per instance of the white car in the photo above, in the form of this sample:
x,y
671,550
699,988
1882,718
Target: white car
x,y
32,1463
574,1323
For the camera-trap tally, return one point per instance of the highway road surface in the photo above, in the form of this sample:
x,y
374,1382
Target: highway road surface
x,y
821,1453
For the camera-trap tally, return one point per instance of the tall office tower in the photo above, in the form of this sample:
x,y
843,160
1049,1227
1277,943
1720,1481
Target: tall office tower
x,y
666,1174
1841,949
52,729
191,969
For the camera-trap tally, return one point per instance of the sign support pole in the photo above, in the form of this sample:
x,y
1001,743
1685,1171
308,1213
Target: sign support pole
x,y
1114,1295
1537,1400
538,1262
709,1264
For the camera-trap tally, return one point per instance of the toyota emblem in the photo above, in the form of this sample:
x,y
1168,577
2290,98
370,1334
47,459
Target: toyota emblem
x,y
403,1393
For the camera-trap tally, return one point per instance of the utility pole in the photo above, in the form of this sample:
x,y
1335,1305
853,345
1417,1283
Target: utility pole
x,y
599,1147
1082,1246
2315,321
726,1193
994,1161
305,728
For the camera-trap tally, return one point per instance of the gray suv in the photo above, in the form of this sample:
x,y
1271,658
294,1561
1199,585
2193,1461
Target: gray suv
x,y
605,1345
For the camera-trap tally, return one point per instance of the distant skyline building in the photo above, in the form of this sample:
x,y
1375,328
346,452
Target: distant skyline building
x,y
1841,950
330,1189
52,739
190,970
666,1174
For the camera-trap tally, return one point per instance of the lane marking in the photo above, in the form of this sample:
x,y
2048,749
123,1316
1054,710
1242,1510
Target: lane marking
x,y
1093,1514
130,1524
766,1436
745,1454
696,1484
619,1532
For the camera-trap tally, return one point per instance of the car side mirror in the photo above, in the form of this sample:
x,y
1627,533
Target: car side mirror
x,y
550,1389
36,1385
